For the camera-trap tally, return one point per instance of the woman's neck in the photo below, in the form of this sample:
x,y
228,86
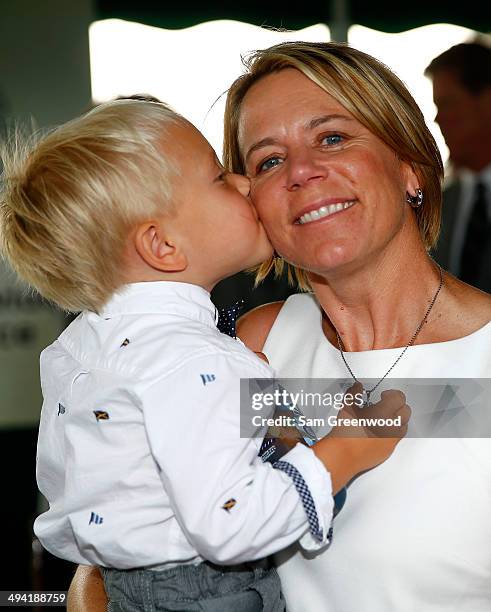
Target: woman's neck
x,y
380,304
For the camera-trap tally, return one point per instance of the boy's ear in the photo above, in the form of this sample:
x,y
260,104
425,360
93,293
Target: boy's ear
x,y
156,247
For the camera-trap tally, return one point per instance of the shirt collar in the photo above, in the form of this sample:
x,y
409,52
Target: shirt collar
x,y
163,297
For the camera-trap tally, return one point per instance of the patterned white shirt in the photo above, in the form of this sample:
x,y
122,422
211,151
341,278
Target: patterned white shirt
x,y
140,455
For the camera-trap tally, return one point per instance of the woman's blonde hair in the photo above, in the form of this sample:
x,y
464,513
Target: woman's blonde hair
x,y
70,198
373,94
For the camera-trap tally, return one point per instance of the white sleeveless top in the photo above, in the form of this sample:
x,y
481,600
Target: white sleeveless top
x,y
415,532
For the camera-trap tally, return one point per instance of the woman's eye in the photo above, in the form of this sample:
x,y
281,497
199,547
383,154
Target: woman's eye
x,y
332,139
268,164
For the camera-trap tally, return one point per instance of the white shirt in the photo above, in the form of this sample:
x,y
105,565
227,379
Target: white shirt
x,y
468,182
415,533
139,445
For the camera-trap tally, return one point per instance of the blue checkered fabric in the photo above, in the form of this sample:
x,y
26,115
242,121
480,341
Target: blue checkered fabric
x,y
305,496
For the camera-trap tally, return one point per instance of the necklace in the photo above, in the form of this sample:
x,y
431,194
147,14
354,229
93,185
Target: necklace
x,y
368,392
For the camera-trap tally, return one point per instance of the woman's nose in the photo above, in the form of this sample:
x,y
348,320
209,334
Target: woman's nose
x,y
240,182
303,167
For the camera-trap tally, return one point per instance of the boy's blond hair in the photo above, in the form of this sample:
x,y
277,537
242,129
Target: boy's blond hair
x,y
70,198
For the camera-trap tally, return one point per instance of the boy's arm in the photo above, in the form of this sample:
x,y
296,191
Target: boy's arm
x,y
230,506
86,593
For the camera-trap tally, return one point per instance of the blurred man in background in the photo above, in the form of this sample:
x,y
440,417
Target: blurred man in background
x,y
462,94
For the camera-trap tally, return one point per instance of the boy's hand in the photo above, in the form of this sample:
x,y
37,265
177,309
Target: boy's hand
x,y
391,407
350,449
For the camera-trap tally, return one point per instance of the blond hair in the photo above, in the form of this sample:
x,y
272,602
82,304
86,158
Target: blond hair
x,y
373,94
70,198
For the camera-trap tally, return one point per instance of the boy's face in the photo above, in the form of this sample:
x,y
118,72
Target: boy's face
x,y
219,228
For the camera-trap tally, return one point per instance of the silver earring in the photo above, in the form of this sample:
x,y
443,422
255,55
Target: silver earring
x,y
417,200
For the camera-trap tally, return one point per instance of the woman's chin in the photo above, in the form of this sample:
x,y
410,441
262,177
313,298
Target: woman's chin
x,y
326,260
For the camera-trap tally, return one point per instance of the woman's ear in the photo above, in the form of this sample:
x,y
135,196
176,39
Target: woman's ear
x,y
158,249
411,179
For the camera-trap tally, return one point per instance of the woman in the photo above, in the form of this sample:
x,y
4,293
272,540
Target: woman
x,y
346,178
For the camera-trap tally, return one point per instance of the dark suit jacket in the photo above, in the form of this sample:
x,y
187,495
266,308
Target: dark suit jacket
x,y
450,210
441,253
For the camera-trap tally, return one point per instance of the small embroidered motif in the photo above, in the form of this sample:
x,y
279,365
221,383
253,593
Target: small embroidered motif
x,y
101,415
96,519
206,378
61,409
229,504
124,343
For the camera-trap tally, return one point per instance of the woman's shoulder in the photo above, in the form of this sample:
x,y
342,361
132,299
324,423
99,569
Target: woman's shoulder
x,y
253,328
469,308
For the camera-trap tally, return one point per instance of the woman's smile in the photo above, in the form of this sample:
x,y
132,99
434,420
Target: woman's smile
x,y
326,209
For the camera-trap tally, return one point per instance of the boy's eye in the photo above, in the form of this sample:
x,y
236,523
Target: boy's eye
x,y
267,164
332,139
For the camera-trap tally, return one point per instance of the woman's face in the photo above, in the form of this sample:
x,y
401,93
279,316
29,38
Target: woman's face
x,y
328,191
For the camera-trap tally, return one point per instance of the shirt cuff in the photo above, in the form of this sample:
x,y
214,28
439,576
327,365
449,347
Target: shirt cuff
x,y
317,481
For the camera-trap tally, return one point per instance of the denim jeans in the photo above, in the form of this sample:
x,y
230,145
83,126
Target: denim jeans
x,y
195,588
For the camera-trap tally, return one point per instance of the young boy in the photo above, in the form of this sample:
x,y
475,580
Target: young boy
x,y
126,215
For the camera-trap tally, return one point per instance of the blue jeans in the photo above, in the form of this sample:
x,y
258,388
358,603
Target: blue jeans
x,y
195,588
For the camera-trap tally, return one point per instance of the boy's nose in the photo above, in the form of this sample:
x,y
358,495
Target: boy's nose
x,y
240,182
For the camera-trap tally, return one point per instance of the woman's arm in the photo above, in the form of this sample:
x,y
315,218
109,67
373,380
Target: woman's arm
x,y
253,328
86,593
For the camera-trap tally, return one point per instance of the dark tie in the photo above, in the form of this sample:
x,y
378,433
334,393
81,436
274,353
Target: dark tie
x,y
227,318
476,238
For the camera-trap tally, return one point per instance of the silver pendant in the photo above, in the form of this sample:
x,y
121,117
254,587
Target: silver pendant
x,y
366,398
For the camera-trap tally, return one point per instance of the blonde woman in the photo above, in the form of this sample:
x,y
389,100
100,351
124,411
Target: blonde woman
x,y
346,179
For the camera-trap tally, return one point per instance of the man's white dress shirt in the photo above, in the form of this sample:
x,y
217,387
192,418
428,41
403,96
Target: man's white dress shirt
x,y
140,455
